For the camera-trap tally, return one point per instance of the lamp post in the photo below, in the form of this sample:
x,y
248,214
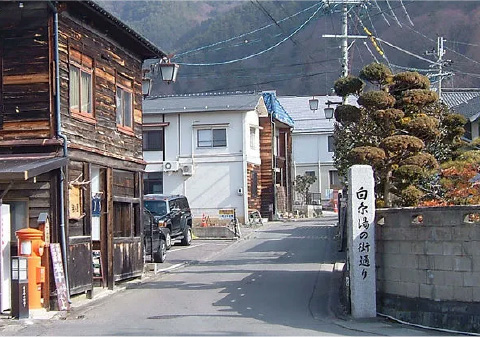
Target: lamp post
x,y
328,111
167,69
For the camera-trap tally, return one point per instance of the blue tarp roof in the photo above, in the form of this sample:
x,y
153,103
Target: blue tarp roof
x,y
276,109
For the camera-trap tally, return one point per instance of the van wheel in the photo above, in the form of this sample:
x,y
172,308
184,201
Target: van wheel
x,y
161,254
187,237
168,239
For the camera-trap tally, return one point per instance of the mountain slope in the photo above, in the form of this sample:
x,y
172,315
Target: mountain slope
x,y
306,63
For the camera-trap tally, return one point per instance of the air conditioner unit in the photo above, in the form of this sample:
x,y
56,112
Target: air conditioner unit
x,y
187,169
170,166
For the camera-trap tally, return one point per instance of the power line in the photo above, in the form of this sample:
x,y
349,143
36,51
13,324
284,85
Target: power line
x,y
244,34
268,82
230,71
260,52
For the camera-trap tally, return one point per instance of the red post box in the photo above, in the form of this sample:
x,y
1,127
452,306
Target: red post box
x,y
31,245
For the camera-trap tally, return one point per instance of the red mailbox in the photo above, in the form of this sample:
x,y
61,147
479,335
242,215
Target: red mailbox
x,y
31,245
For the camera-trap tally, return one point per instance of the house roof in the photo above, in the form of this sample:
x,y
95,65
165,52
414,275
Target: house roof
x,y
100,18
26,167
276,109
307,120
469,109
201,103
456,96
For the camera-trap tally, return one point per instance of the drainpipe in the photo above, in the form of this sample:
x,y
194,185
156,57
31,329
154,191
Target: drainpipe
x,y
65,148
274,166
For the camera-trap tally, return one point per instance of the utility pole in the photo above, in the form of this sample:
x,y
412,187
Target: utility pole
x,y
439,64
344,37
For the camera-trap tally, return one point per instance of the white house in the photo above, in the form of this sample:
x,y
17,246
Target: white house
x,y
313,145
205,147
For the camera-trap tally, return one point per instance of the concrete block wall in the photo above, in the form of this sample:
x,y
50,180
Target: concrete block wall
x,y
428,264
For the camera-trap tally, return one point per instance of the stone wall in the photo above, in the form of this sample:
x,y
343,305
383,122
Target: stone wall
x,y
428,266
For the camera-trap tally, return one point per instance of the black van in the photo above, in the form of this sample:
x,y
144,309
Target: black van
x,y
154,240
172,214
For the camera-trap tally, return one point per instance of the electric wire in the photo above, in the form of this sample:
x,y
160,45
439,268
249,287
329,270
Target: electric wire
x,y
267,13
245,34
381,12
393,13
406,51
269,82
406,13
370,51
260,52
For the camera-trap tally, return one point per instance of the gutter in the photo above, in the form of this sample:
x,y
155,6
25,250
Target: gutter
x,y
58,130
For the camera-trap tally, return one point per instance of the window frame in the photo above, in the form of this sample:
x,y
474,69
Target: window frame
x,y
331,143
124,89
85,65
253,138
212,140
150,182
145,139
331,177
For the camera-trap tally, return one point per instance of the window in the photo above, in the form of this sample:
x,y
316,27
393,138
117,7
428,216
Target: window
x,y
253,138
122,219
81,91
124,108
153,140
254,184
212,138
335,181
331,144
468,130
153,182
310,173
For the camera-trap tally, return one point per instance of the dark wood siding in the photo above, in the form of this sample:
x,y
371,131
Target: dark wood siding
x,y
25,89
123,184
37,193
109,62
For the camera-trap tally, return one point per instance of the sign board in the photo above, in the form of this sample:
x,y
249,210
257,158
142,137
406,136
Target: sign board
x,y
361,240
226,214
59,275
75,202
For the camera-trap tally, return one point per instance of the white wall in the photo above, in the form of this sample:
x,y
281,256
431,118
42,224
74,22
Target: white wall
x,y
218,172
310,153
253,154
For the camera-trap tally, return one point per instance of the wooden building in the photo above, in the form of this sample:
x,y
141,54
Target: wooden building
x,y
276,159
71,134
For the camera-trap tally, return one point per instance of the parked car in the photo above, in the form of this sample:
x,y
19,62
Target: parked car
x,y
173,216
154,240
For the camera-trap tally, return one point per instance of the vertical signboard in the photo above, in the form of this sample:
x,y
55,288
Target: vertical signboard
x,y
361,240
59,275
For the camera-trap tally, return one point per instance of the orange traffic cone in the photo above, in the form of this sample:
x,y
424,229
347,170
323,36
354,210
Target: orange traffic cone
x,y
204,221
335,207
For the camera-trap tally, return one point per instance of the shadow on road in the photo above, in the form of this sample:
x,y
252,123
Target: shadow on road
x,y
284,278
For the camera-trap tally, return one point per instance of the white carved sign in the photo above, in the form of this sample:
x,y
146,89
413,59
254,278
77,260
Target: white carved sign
x,y
361,240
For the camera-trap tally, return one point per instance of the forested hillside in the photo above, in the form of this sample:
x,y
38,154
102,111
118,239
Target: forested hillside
x,y
244,45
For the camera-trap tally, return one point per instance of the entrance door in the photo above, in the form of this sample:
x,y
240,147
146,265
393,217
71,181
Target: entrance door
x,y
5,291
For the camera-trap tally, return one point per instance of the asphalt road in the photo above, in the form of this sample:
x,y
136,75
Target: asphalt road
x,y
276,282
